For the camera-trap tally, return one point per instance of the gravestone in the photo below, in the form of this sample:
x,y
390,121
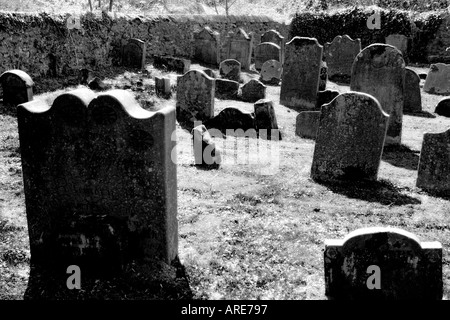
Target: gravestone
x,y
300,77
239,47
168,63
195,97
438,79
253,91
162,87
307,123
230,69
17,87
434,166
274,37
265,119
413,100
350,139
226,89
379,70
323,76
443,108
231,118
266,51
99,182
381,263
207,46
206,153
399,41
339,56
324,97
271,72
134,53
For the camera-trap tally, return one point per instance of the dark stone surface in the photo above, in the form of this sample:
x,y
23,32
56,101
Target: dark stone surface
x,y
307,124
253,91
162,87
443,107
233,119
227,89
168,63
134,53
413,99
266,120
17,87
230,69
324,97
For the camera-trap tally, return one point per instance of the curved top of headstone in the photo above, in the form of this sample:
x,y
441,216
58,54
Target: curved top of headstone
x,y
381,55
304,41
206,33
20,74
200,72
137,41
344,38
385,238
240,33
438,66
254,82
362,96
412,73
270,34
229,62
270,44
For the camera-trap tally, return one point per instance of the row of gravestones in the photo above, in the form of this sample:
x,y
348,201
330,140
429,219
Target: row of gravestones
x,y
100,191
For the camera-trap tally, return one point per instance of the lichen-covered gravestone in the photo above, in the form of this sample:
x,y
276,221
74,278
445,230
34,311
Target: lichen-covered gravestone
x,y
195,97
382,264
307,124
339,56
434,165
300,77
399,41
266,51
271,72
413,100
239,47
134,53
206,46
274,37
379,70
350,139
438,79
230,69
17,87
253,91
99,182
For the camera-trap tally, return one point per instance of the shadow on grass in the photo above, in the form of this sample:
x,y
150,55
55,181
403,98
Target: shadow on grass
x,y
381,191
422,114
401,156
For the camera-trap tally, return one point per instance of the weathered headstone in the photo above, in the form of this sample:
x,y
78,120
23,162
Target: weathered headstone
x,y
434,165
265,119
253,91
300,77
226,89
134,53
230,69
207,46
307,123
168,63
231,118
162,87
438,79
443,107
274,37
271,72
239,47
206,153
17,87
379,70
324,97
350,139
99,182
383,264
399,41
195,97
339,56
323,76
413,100
266,51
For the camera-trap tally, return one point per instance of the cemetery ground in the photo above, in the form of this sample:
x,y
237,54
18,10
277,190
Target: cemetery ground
x,y
243,235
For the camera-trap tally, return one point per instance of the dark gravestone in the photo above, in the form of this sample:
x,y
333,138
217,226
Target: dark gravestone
x,y
339,56
274,37
239,47
266,51
271,72
413,100
443,107
17,87
99,182
323,76
324,97
226,89
307,123
231,118
382,264
265,119
134,53
350,139
434,166
207,46
230,69
168,63
205,151
253,91
162,87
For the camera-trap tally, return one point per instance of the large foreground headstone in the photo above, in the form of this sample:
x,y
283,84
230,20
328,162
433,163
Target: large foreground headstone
x,y
17,87
300,77
207,46
413,99
434,165
274,37
99,182
339,55
266,51
383,264
230,69
379,70
239,47
195,96
438,79
134,53
350,139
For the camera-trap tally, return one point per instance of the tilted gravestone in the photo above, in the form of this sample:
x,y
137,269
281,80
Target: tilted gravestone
x,y
195,97
162,87
413,100
274,37
239,46
266,51
17,87
265,119
230,69
134,53
382,264
226,89
206,46
438,79
307,123
99,182
434,166
379,70
339,56
253,91
300,77
350,139
399,41
271,72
